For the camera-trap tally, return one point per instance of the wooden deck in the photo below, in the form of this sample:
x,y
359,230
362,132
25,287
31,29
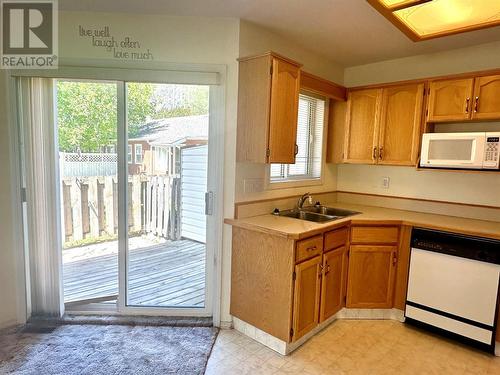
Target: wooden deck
x,y
171,274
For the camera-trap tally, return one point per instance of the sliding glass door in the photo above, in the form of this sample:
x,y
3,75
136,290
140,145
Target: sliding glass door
x,y
167,163
135,196
87,124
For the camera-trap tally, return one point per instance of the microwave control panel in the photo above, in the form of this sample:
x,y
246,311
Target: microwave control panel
x,y
492,153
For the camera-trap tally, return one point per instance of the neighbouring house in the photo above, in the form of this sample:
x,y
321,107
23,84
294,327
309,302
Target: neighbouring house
x,y
155,150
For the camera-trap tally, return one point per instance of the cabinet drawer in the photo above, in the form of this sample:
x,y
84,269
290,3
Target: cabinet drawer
x,y
374,234
336,238
308,248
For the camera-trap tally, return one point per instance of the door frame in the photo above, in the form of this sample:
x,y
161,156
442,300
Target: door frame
x,y
203,74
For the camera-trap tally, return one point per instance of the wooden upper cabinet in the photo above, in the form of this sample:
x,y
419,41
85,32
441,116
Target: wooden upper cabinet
x,y
333,282
400,122
486,102
361,133
268,95
285,87
371,276
450,100
306,296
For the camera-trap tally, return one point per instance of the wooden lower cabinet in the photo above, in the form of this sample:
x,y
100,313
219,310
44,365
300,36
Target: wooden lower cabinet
x,y
306,296
333,282
372,270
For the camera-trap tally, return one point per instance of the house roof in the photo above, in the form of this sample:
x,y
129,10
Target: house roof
x,y
173,130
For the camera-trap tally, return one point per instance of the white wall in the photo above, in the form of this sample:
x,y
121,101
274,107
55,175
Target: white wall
x,y
255,40
461,187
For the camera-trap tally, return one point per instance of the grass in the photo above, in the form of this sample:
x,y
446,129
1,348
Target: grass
x,y
95,240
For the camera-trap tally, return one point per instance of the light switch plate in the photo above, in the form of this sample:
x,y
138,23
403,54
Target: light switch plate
x,y
385,182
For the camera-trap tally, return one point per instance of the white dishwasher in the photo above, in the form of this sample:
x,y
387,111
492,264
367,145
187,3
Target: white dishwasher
x,y
453,285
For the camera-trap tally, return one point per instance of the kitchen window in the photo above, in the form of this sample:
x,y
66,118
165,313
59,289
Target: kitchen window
x,y
309,158
138,154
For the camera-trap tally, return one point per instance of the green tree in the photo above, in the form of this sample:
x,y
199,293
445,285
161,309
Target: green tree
x,y
87,111
86,115
140,106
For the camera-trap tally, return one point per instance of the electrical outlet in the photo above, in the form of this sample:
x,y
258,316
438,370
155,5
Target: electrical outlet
x,y
385,182
253,185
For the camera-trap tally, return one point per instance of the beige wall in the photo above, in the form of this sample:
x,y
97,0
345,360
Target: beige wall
x,y
8,275
461,187
255,40
480,57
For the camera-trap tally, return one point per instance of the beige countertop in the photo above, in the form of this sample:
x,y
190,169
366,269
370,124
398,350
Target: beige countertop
x,y
297,229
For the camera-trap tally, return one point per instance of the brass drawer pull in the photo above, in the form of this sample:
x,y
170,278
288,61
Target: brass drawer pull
x,y
311,248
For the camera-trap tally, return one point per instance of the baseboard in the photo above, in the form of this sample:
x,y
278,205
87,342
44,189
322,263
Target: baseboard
x,y
9,324
226,324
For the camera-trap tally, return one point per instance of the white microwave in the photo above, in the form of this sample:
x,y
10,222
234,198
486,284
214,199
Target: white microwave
x,y
478,150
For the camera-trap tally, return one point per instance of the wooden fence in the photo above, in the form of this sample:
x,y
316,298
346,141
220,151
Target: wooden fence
x,y
90,206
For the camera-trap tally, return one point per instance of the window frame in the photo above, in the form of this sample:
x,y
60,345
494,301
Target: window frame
x,y
300,182
136,147
130,151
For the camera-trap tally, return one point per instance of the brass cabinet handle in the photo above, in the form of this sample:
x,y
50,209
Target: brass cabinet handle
x,y
375,153
327,269
296,149
380,153
476,104
320,271
467,105
311,248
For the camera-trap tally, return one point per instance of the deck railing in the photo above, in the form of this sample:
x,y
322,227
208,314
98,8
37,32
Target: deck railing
x,y
89,207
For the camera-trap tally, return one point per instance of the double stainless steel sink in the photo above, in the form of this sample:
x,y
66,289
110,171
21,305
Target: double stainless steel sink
x,y
317,213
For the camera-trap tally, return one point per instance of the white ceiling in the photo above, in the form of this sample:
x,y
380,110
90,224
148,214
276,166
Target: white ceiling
x,y
349,32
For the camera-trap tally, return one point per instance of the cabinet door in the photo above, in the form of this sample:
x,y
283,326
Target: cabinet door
x,y
371,276
362,118
285,86
486,98
333,282
306,296
450,100
400,121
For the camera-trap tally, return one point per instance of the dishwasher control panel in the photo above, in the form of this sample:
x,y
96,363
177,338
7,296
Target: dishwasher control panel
x,y
476,248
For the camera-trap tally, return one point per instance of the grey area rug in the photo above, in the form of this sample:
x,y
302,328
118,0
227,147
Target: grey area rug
x,y
101,349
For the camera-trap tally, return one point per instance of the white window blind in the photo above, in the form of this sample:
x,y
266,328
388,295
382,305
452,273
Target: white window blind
x,y
308,160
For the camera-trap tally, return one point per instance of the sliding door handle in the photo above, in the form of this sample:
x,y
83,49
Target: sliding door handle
x,y
209,203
